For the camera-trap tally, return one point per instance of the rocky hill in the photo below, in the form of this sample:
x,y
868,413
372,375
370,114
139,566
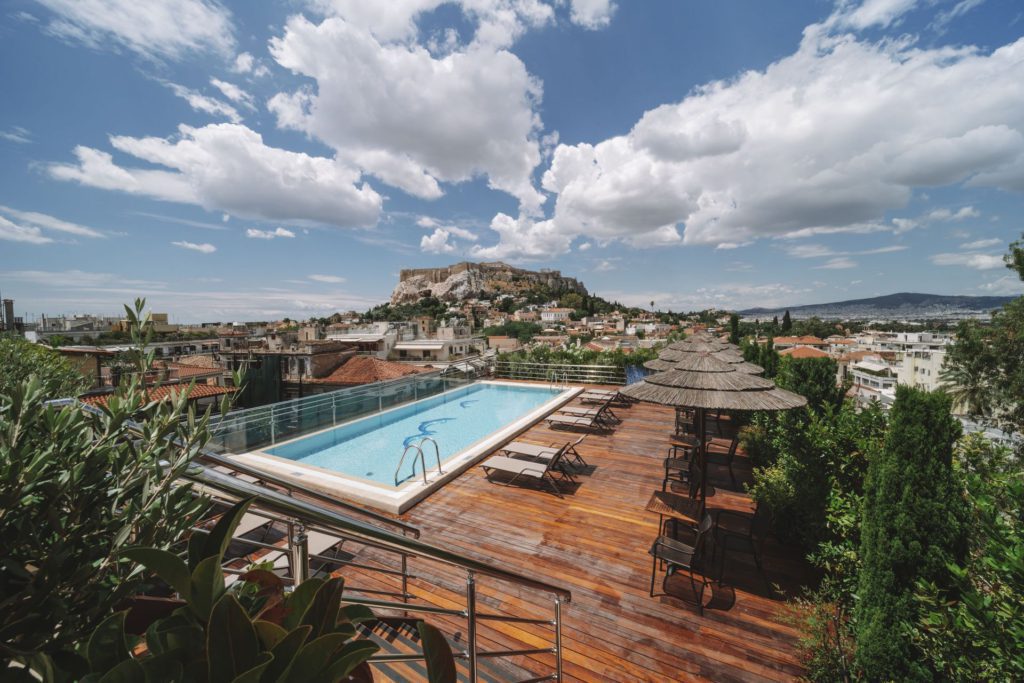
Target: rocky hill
x,y
901,306
478,280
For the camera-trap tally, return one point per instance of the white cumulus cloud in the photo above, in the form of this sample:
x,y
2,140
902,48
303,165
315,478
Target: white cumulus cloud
x,y
158,29
227,167
412,119
829,139
592,14
35,219
253,233
204,103
981,244
437,242
329,279
975,261
202,248
233,92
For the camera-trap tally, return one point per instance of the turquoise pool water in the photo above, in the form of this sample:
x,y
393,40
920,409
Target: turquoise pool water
x,y
371,448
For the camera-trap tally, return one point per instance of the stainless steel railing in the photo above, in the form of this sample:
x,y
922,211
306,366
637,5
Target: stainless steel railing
x,y
302,516
564,372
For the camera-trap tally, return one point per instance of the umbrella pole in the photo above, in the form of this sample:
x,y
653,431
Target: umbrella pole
x,y
702,450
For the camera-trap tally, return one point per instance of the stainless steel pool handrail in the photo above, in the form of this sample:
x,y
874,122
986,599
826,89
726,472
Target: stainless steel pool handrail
x,y
423,464
437,453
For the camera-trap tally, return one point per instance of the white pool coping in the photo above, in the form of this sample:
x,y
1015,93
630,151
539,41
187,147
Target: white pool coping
x,y
388,498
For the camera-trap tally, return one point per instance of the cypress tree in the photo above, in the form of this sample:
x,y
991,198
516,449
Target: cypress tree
x,y
734,329
787,322
914,522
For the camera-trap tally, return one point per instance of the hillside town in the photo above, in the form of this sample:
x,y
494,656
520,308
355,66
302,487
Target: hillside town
x,y
475,321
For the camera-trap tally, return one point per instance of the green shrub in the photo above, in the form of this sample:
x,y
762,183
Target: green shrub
x,y
20,360
913,526
973,629
814,379
76,488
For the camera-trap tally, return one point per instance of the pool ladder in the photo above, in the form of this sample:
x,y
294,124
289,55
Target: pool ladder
x,y
418,448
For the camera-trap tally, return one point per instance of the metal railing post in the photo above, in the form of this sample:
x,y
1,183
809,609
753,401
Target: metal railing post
x,y
405,577
558,639
471,623
334,412
298,543
273,439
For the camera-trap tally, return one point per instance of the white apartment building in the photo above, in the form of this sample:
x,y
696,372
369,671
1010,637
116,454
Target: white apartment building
x,y
921,369
873,380
555,315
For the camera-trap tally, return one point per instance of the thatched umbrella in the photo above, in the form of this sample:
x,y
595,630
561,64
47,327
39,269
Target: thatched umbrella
x,y
708,383
675,359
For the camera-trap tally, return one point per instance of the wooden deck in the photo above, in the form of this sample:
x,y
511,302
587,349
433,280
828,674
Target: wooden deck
x,y
595,542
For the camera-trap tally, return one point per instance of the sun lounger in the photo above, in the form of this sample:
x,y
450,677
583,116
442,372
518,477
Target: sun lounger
x,y
530,450
592,423
317,542
524,469
610,397
600,408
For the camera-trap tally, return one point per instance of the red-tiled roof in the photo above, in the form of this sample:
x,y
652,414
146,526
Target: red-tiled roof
x,y
806,340
803,352
199,361
859,355
367,369
162,392
180,371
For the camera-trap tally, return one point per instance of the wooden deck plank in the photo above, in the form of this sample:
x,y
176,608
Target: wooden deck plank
x,y
594,541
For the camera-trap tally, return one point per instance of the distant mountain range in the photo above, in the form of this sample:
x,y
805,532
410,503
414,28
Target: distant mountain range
x,y
901,306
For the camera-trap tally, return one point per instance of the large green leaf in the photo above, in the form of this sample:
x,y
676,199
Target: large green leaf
x,y
165,564
299,601
284,652
232,647
218,539
438,653
108,646
322,614
313,659
357,614
128,671
207,586
165,668
254,674
270,634
177,633
352,655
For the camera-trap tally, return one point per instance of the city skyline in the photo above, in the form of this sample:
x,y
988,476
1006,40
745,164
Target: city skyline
x,y
235,162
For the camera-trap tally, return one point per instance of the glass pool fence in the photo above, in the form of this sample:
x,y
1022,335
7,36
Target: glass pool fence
x,y
251,429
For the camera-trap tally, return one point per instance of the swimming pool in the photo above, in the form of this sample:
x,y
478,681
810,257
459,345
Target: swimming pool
x,y
360,460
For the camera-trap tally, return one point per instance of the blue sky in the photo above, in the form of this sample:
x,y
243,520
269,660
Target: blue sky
x,y
256,160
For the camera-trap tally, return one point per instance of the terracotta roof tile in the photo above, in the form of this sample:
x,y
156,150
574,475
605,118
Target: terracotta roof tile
x,y
803,352
165,391
365,370
199,361
807,340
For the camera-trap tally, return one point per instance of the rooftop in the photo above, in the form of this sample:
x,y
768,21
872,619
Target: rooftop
x,y
803,352
594,541
364,370
165,391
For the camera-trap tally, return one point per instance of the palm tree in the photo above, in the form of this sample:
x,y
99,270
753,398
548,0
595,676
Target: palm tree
x,y
969,390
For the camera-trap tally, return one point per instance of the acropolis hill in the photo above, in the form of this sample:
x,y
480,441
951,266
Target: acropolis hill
x,y
467,280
